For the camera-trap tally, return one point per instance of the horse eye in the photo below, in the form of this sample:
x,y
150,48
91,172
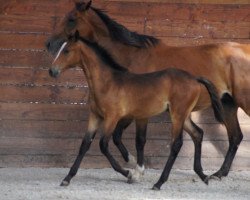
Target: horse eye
x,y
71,23
65,51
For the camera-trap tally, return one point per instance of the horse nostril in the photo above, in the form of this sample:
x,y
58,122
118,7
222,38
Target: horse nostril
x,y
53,72
47,44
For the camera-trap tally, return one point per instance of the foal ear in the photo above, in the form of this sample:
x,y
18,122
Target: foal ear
x,y
82,6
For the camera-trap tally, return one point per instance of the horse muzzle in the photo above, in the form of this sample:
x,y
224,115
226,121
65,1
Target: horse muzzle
x,y
54,72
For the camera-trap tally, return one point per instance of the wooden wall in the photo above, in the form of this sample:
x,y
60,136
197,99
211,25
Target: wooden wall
x,y
42,120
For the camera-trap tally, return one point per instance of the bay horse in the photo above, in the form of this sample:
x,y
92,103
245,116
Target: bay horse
x,y
227,65
115,94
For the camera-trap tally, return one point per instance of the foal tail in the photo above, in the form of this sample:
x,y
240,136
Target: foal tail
x,y
215,100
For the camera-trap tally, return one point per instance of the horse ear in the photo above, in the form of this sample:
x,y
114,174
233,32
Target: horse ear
x,y
88,5
82,6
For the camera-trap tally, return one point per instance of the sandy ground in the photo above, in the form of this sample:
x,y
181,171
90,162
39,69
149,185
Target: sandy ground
x,y
101,184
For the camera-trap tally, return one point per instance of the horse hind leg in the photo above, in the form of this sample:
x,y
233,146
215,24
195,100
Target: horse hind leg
x,y
196,134
109,126
177,141
117,139
235,135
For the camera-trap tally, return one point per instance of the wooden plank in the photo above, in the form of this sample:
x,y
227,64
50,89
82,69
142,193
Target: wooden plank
x,y
43,112
45,8
43,94
227,30
36,41
25,23
153,148
42,128
188,1
175,11
41,77
25,58
199,40
22,41
33,146
199,12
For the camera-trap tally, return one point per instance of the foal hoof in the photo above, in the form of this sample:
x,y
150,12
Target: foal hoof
x,y
64,183
214,177
130,177
156,188
206,180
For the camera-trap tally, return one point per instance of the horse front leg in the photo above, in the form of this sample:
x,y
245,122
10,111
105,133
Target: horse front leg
x,y
117,139
93,125
177,141
141,131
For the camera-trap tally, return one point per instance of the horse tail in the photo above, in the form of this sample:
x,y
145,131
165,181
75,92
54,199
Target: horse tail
x,y
215,100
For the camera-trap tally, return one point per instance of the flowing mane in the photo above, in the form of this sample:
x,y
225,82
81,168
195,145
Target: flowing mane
x,y
120,33
103,55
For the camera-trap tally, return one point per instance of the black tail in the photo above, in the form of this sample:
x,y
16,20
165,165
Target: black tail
x,y
215,100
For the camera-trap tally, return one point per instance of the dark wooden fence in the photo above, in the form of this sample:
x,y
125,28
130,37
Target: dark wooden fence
x,y
42,120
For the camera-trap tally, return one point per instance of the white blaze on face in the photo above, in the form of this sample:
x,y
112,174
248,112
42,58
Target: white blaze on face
x,y
60,51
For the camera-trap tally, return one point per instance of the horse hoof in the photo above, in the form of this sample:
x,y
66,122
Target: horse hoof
x,y
130,177
206,180
130,181
155,188
64,183
214,177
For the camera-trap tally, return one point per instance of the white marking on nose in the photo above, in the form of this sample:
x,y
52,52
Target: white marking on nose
x,y
60,51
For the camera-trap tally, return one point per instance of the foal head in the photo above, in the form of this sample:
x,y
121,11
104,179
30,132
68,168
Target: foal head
x,y
68,56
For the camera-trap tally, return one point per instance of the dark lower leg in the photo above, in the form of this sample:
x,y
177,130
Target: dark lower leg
x,y
235,135
197,155
176,146
104,149
117,137
141,131
87,140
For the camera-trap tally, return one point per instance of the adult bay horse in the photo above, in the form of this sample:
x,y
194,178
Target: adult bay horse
x,y
227,65
115,94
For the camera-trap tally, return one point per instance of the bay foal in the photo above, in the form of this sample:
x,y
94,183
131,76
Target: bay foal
x,y
116,94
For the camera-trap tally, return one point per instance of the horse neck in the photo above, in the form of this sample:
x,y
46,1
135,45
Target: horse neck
x,y
98,74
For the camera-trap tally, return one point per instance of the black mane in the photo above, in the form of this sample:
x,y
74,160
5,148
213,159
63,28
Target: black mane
x,y
120,33
103,55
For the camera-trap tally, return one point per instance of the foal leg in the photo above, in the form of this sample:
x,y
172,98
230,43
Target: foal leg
x,y
108,130
177,141
117,139
196,134
235,135
86,142
141,130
